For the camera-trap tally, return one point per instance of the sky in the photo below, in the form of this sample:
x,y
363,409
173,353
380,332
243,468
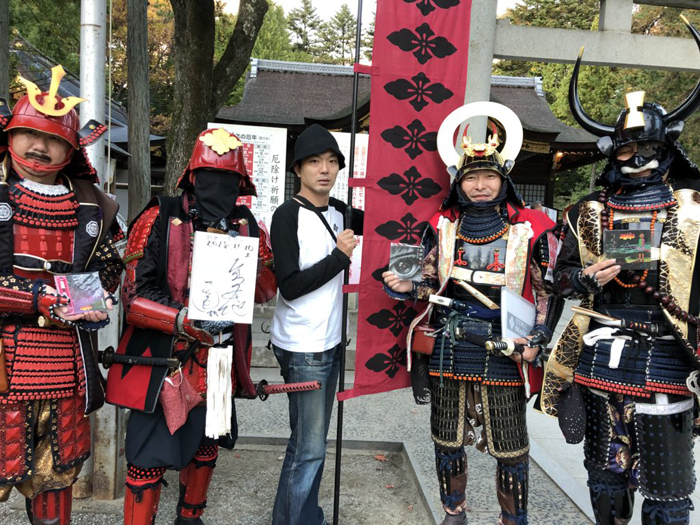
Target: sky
x,y
327,8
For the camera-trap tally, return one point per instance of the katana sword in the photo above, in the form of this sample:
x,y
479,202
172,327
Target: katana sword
x,y
108,357
646,328
476,293
265,390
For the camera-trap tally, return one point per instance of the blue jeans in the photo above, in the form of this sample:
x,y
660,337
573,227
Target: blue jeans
x,y
309,417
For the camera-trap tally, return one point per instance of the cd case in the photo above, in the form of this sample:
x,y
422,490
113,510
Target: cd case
x,y
405,261
631,249
84,291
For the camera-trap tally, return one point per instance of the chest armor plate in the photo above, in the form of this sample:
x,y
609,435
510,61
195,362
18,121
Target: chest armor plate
x,y
480,264
47,246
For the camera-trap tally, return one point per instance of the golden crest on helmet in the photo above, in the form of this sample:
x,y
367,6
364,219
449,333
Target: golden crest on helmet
x,y
50,105
221,141
485,149
634,118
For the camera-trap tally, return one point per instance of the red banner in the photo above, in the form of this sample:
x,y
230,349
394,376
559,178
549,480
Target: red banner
x,y
419,71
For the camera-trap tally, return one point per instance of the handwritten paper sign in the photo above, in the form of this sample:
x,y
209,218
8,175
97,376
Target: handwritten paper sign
x,y
222,286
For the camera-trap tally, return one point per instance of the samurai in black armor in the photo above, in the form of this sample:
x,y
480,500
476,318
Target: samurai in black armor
x,y
481,241
632,345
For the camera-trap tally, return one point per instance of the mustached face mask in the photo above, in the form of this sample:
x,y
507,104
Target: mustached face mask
x,y
215,194
653,156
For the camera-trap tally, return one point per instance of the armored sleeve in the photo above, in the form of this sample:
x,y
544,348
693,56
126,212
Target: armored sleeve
x,y
549,304
266,280
108,264
142,259
566,282
14,282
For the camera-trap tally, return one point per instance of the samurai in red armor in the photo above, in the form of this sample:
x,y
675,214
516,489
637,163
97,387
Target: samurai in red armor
x,y
155,295
481,246
622,376
53,220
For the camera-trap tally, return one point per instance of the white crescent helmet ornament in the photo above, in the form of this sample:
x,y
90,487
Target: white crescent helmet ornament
x,y
492,110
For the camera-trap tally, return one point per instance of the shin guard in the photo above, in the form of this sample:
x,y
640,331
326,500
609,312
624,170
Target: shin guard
x,y
142,495
612,500
666,512
52,507
512,490
452,475
194,484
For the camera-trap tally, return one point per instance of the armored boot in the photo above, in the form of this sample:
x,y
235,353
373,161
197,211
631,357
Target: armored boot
x,y
194,485
452,475
52,507
142,495
612,500
455,519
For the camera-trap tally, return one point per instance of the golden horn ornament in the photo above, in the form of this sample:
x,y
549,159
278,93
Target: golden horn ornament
x,y
50,102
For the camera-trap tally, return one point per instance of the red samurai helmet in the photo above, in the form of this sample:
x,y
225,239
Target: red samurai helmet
x,y
217,149
50,113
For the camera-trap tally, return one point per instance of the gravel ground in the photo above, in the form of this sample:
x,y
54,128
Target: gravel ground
x,y
243,493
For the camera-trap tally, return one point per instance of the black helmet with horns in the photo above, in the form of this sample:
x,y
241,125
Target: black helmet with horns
x,y
640,121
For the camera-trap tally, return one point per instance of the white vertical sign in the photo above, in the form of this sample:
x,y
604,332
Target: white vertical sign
x,y
340,190
265,155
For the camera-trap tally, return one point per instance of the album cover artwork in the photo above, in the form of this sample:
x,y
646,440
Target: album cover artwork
x,y
632,249
84,291
405,261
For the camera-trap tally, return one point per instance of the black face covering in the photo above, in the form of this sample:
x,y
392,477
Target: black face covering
x,y
215,194
614,176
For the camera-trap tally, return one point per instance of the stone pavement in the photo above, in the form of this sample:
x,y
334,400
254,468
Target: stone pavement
x,y
387,423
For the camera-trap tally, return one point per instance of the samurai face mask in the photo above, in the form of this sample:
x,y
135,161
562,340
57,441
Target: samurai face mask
x,y
215,195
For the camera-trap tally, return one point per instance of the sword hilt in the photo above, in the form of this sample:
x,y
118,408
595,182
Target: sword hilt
x,y
505,347
264,390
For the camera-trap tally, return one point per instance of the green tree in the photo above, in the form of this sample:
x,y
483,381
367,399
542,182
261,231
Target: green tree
x,y
337,37
303,23
50,26
368,39
161,69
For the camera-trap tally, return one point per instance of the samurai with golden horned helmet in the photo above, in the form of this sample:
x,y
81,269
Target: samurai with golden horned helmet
x,y
481,242
53,220
619,376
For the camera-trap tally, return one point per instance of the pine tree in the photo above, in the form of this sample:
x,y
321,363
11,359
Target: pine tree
x,y
303,23
337,37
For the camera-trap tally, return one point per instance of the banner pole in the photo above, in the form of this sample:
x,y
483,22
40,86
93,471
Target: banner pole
x,y
346,273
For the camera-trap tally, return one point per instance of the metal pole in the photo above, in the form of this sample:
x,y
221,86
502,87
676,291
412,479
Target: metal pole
x,y
346,274
105,471
93,20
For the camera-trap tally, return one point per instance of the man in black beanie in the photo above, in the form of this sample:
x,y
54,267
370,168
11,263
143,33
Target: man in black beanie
x,y
312,246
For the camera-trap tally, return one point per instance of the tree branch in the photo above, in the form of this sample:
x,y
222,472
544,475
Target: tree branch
x,y
236,57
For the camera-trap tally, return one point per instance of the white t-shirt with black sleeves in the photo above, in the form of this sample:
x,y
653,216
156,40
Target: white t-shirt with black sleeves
x,y
309,269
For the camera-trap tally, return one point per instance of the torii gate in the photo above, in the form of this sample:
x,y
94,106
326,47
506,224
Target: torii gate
x,y
612,45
